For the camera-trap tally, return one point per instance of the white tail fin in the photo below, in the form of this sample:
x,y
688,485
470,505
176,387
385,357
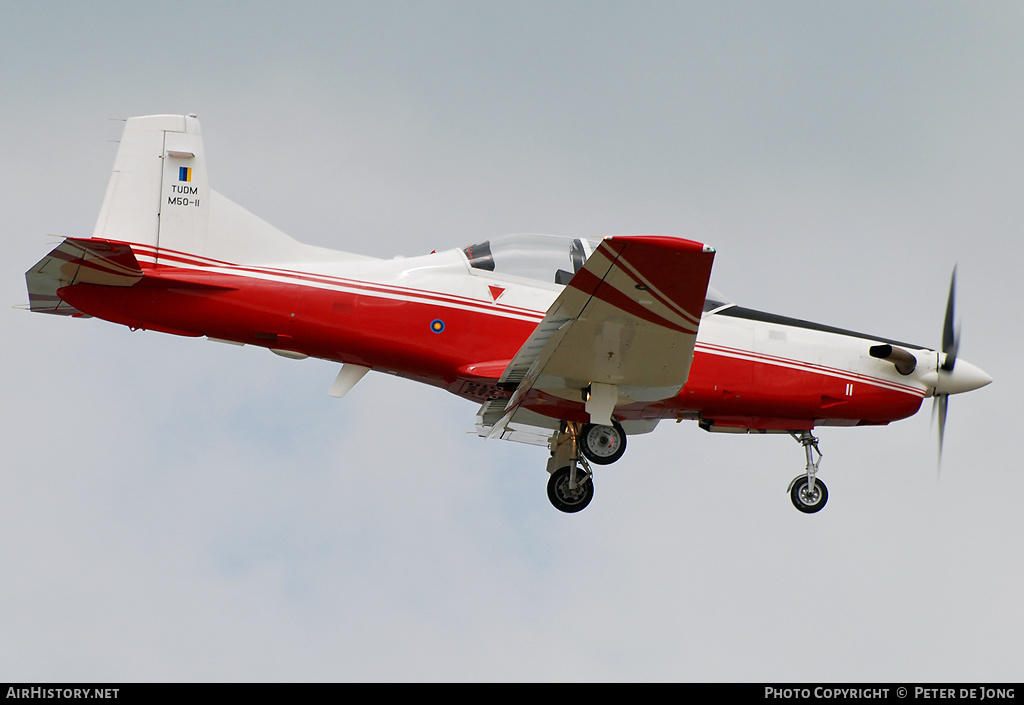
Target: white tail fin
x,y
159,196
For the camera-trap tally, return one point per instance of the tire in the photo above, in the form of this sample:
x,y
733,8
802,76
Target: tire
x,y
564,500
602,445
803,501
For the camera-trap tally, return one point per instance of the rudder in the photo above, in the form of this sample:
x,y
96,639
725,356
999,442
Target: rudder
x,y
158,194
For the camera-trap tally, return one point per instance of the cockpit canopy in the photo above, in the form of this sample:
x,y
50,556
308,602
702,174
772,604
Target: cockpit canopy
x,y
547,258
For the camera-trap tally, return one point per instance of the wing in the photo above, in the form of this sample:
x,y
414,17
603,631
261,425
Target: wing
x,y
622,331
79,261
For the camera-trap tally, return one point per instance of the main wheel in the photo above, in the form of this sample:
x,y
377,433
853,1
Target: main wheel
x,y
603,444
566,500
806,501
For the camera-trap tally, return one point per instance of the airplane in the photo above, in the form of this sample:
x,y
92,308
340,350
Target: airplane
x,y
571,343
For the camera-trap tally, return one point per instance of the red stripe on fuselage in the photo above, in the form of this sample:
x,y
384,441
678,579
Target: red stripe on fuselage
x,y
758,394
777,361
378,331
189,263
389,328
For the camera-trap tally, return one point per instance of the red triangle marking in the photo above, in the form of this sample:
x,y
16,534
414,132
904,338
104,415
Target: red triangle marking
x,y
496,291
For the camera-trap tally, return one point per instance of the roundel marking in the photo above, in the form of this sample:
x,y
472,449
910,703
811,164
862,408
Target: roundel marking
x,y
437,325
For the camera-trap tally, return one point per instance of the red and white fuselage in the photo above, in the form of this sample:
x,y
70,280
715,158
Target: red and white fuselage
x,y
433,319
547,334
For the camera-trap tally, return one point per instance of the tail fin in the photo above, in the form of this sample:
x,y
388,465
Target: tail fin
x,y
159,198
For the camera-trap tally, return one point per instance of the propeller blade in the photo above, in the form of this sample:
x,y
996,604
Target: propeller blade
x,y
942,401
950,331
950,346
947,380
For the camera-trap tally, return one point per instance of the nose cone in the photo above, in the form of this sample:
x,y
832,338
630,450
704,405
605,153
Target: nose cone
x,y
964,377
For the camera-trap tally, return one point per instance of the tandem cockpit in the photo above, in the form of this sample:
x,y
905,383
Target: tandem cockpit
x,y
548,258
552,259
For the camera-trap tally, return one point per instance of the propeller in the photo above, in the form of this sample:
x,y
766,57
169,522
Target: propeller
x,y
951,376
950,347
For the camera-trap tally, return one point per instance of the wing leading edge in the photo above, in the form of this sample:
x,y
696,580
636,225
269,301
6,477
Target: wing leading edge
x,y
622,331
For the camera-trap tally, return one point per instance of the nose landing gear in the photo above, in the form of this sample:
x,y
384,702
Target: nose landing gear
x,y
808,493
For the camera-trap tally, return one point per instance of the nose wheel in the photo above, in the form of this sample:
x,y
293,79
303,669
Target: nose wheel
x,y
806,498
808,493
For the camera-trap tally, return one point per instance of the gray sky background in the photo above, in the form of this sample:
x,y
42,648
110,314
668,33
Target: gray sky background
x,y
177,510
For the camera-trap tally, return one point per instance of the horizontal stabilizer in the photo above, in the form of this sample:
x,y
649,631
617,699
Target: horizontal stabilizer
x,y
78,261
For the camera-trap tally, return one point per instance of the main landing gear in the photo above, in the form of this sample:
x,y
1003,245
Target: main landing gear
x,y
571,485
807,492
571,488
602,444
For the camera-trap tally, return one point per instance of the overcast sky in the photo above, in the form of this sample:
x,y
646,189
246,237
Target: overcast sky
x,y
176,510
